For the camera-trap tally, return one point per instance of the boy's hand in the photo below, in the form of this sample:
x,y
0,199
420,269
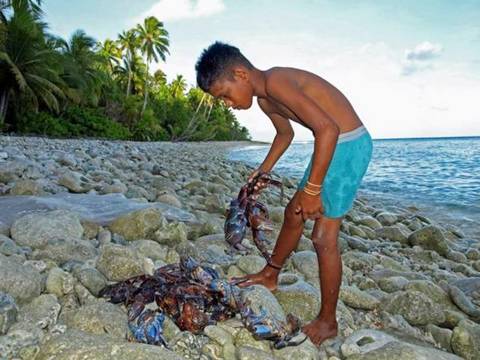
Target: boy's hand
x,y
261,184
252,175
310,206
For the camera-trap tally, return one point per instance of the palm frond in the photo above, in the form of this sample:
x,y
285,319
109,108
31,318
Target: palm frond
x,y
17,73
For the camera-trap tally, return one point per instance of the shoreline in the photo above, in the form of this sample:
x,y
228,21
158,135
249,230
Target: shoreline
x,y
36,137
225,147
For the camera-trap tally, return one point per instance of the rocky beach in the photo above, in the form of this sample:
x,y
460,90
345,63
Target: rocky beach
x,y
76,215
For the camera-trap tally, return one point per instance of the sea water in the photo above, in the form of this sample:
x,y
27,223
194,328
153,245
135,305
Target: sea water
x,y
438,176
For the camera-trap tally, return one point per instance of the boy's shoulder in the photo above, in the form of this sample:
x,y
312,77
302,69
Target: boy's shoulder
x,y
279,73
281,79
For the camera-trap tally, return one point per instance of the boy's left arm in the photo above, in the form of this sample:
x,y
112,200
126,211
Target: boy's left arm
x,y
325,131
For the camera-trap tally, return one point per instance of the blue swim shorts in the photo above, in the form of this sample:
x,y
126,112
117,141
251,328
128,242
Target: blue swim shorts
x,y
344,175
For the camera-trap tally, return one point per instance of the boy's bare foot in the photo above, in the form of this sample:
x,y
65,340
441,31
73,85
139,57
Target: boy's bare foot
x,y
264,277
319,330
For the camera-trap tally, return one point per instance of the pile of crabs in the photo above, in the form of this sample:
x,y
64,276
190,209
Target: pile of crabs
x,y
193,295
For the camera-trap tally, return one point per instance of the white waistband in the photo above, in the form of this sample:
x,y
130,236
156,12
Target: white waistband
x,y
352,135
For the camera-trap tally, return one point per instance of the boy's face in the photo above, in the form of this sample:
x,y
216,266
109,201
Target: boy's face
x,y
235,92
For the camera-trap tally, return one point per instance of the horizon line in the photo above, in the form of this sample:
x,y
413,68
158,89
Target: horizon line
x,y
402,138
431,137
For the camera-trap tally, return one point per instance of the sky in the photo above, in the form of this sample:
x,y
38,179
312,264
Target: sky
x,y
409,68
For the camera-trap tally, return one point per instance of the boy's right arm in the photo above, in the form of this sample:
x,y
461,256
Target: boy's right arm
x,y
280,143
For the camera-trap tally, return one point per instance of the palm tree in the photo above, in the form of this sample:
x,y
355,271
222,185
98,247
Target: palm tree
x,y
110,51
134,70
198,121
128,43
28,67
154,43
139,74
178,86
32,6
160,78
81,67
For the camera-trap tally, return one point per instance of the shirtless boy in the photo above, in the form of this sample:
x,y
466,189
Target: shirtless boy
x,y
342,151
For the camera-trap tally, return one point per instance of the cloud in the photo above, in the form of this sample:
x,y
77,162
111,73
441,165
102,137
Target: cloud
x,y
423,51
420,58
171,10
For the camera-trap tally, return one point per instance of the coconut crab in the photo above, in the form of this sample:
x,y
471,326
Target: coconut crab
x,y
265,327
193,296
245,211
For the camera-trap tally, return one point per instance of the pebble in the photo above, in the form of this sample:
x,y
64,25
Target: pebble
x,y
382,252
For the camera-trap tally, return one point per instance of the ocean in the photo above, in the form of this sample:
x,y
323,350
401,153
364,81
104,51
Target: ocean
x,y
438,176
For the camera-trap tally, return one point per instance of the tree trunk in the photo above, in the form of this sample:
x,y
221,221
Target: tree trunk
x,y
192,124
146,93
129,84
200,104
3,106
209,111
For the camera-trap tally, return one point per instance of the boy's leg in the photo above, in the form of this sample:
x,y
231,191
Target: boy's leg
x,y
287,241
345,172
324,238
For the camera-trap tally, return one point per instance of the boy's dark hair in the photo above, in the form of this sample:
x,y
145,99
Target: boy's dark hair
x,y
216,61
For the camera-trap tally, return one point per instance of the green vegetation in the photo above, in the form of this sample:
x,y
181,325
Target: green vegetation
x,y
82,88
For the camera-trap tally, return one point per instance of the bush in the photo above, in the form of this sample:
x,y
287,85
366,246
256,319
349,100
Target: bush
x,y
149,128
74,122
91,122
42,123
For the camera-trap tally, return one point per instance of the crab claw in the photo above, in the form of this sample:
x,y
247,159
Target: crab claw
x,y
280,344
135,309
236,281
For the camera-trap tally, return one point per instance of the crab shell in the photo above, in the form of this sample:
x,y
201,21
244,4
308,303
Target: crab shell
x,y
149,328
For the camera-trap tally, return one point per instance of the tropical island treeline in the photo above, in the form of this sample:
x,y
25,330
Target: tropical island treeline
x,y
83,88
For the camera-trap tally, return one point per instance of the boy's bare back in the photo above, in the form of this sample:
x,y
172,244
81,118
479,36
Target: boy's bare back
x,y
326,96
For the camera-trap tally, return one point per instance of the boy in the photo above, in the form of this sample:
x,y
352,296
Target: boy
x,y
342,151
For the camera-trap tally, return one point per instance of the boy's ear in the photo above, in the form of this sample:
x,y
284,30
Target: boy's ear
x,y
240,73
